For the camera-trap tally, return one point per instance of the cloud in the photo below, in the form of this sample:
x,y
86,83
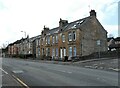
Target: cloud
x,y
32,15
112,29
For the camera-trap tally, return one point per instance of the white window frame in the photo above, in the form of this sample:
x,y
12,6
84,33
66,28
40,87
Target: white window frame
x,y
56,39
56,51
64,49
63,37
70,36
70,51
74,51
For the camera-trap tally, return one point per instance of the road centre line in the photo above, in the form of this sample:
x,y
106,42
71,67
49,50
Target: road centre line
x,y
3,71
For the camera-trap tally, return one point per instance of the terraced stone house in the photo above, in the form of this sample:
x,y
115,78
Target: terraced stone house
x,y
78,38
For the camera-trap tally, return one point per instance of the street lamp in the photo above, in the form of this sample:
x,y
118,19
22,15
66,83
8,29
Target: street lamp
x,y
7,43
24,32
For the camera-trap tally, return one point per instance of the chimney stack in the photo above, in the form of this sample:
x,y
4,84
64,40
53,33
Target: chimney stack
x,y
62,23
92,13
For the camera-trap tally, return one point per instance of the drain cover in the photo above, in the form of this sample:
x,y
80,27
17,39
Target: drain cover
x,y
17,71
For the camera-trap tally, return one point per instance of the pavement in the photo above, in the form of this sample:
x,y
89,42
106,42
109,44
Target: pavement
x,y
36,73
108,64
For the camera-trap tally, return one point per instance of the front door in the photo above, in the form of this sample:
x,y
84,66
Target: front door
x,y
64,52
61,53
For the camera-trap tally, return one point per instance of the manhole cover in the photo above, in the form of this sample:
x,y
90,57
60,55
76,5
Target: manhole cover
x,y
17,71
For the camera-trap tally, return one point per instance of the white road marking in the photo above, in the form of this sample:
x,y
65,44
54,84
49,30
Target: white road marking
x,y
20,81
65,71
88,66
18,71
115,69
69,72
3,71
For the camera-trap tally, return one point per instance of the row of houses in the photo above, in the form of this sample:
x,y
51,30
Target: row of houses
x,y
78,38
113,43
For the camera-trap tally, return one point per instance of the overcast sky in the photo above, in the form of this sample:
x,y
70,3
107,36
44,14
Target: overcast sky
x,y
31,15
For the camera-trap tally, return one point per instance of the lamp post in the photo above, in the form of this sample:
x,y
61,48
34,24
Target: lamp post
x,y
24,33
7,43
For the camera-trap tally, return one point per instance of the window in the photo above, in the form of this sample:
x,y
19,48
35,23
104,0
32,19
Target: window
x,y
48,40
43,51
56,39
53,52
38,51
53,39
42,41
70,51
38,42
56,51
74,35
74,50
47,51
70,36
63,38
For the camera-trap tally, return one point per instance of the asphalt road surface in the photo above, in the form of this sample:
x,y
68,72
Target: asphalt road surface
x,y
29,73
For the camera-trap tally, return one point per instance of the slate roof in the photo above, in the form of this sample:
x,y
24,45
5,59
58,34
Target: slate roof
x,y
71,25
108,39
33,38
117,39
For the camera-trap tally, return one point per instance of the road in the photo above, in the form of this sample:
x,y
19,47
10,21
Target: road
x,y
30,73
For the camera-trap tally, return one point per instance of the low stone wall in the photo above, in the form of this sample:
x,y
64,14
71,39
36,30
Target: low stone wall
x,y
108,54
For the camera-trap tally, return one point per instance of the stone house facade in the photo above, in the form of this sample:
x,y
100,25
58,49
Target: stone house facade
x,y
79,38
37,46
